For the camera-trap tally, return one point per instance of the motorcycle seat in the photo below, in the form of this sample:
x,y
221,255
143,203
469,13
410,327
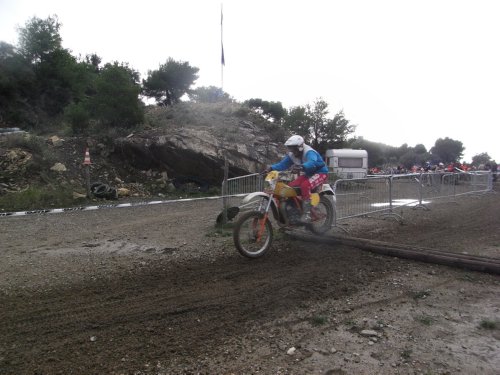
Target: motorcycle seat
x,y
316,189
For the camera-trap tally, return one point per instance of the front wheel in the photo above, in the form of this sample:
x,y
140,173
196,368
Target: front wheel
x,y
322,216
253,234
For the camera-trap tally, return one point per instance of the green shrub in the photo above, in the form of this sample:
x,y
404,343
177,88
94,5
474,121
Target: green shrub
x,y
27,142
425,320
319,320
37,197
78,117
488,324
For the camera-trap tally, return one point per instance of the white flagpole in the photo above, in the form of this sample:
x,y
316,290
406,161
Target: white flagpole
x,y
222,62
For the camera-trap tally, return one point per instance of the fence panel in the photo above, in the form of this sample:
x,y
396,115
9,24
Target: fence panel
x,y
406,190
234,189
357,197
350,175
377,194
482,182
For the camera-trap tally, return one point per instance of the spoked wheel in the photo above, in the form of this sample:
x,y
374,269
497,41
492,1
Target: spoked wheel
x,y
322,216
253,234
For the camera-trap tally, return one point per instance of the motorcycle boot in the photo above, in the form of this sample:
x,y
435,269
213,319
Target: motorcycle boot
x,y
306,212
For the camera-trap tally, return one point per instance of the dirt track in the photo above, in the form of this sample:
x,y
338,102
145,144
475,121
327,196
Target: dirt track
x,y
157,290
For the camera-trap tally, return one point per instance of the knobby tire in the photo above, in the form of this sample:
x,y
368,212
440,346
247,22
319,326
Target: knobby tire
x,y
250,231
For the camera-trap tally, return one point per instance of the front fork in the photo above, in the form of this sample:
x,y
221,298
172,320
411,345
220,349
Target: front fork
x,y
265,217
265,204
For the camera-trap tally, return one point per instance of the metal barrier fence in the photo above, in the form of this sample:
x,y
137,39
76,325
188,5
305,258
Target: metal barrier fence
x,y
334,176
378,194
381,194
234,189
355,197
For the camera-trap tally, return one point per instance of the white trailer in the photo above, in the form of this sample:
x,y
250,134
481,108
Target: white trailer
x,y
347,163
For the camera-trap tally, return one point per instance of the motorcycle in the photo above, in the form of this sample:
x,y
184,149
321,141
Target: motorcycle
x,y
253,230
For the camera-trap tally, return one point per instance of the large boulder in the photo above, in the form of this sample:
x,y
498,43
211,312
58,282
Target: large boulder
x,y
200,151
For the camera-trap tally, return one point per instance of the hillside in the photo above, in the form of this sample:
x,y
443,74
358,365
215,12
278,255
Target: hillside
x,y
177,147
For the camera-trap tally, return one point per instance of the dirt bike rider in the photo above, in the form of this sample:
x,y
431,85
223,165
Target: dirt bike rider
x,y
302,157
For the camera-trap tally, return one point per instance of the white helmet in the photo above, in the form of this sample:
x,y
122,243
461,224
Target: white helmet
x,y
295,140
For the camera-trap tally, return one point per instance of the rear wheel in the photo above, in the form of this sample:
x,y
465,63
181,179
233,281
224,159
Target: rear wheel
x,y
322,216
253,234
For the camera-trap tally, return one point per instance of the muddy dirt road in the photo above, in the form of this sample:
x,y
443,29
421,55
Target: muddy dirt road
x,y
158,290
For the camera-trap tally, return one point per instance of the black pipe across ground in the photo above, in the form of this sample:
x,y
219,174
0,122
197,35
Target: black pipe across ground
x,y
465,261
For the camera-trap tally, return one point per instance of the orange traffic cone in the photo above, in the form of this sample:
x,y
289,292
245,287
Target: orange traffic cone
x,y
86,161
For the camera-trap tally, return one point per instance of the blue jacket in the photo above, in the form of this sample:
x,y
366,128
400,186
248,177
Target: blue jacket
x,y
312,162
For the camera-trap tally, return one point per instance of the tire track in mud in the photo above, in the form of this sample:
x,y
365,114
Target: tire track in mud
x,y
169,312
184,309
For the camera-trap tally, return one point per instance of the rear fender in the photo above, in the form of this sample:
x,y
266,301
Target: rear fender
x,y
326,189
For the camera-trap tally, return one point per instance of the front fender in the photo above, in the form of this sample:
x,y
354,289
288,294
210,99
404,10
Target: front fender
x,y
261,195
252,196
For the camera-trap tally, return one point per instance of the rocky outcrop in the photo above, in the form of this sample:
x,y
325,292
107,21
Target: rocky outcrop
x,y
14,159
200,151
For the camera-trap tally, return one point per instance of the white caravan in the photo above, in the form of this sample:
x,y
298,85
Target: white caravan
x,y
347,163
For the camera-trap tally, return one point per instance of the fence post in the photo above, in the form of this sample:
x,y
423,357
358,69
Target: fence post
x,y
420,189
334,199
390,193
456,180
224,191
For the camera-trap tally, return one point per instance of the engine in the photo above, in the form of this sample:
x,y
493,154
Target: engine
x,y
292,212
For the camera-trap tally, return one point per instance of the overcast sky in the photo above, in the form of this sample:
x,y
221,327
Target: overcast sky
x,y
403,71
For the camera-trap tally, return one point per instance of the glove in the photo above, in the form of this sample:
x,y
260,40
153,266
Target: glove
x,y
267,170
297,168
